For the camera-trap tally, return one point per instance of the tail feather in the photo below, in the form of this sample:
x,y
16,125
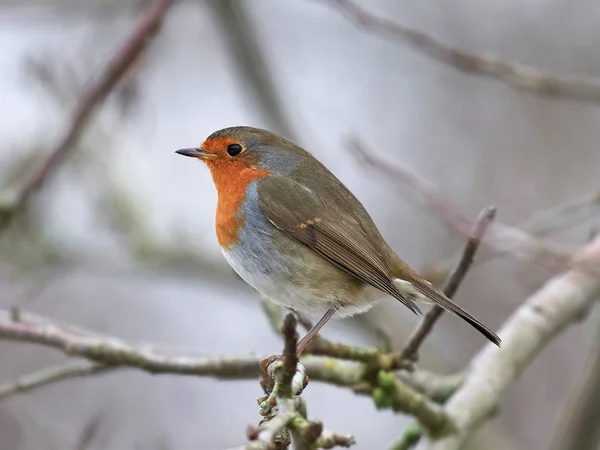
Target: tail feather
x,y
437,297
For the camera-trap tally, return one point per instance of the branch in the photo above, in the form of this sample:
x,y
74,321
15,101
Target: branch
x,y
374,358
513,74
543,223
500,237
411,349
438,388
51,375
562,301
114,352
146,27
284,380
251,65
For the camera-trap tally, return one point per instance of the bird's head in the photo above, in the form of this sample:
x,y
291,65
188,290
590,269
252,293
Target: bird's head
x,y
232,152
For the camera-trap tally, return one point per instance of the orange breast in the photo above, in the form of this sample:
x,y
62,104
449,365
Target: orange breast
x,y
231,179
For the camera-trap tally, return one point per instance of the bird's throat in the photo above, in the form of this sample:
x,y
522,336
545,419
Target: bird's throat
x,y
231,179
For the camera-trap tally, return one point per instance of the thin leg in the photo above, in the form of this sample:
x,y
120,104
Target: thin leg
x,y
314,330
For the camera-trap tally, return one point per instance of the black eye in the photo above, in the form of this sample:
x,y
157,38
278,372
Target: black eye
x,y
234,149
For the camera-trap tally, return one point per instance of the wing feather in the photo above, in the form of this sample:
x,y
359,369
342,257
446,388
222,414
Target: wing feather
x,y
331,233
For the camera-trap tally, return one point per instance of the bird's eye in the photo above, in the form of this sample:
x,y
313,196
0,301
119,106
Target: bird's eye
x,y
234,149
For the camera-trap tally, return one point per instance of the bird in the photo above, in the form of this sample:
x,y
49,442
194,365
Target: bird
x,y
295,233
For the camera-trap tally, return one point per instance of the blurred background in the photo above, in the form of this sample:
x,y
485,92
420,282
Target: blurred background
x,y
121,240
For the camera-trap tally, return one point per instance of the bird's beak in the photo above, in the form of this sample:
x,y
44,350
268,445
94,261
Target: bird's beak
x,y
196,152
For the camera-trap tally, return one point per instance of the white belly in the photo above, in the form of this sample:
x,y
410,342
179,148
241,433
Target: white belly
x,y
288,294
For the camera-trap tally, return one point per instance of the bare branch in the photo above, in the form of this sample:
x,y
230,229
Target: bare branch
x,y
51,375
290,357
284,379
438,388
386,391
328,439
146,27
373,357
252,68
562,301
513,74
114,352
416,339
501,237
540,224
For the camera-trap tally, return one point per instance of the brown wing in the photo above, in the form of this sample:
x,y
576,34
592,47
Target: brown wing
x,y
330,232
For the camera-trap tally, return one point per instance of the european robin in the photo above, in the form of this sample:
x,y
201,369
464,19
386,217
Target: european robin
x,y
298,236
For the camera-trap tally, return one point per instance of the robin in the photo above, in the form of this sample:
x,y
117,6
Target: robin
x,y
298,236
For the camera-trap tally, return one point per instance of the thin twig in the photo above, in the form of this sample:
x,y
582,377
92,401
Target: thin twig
x,y
286,412
114,352
146,27
108,350
540,224
320,346
501,237
513,74
290,357
436,387
251,65
562,301
50,375
111,351
416,339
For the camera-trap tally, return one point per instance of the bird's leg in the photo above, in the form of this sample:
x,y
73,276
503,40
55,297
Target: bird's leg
x,y
300,347
314,330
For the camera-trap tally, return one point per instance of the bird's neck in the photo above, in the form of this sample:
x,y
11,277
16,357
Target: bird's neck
x,y
231,179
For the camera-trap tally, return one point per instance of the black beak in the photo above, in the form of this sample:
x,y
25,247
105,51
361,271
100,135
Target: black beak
x,y
192,152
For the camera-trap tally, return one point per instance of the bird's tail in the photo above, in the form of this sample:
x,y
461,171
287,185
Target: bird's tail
x,y
418,289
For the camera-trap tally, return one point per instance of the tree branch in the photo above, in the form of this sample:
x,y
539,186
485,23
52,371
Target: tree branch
x,y
416,339
540,224
114,352
285,413
251,65
146,27
513,74
386,391
501,237
562,301
52,375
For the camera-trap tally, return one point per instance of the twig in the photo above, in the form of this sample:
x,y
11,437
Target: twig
x,y
389,392
319,346
290,358
114,352
285,413
562,301
251,65
51,375
436,387
540,224
410,438
268,433
513,74
416,339
146,27
501,237
274,313
110,351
